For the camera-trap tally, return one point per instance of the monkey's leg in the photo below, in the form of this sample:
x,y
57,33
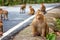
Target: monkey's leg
x,y
43,32
24,10
46,30
1,17
34,31
1,30
6,16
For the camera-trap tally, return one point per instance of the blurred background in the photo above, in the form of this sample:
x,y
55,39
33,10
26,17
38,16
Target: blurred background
x,y
17,2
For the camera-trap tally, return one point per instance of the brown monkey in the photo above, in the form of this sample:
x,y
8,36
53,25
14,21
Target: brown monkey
x,y
1,28
1,12
39,25
32,11
43,8
5,13
23,6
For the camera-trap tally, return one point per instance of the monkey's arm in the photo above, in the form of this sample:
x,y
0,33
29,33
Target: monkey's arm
x,y
34,28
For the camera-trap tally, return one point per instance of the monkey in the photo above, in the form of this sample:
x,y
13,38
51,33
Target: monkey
x,y
43,8
1,28
5,13
1,12
32,11
39,25
23,6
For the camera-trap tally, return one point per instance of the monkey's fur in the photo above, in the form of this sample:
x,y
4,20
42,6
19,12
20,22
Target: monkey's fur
x,y
1,12
5,13
39,25
23,6
1,28
43,8
32,11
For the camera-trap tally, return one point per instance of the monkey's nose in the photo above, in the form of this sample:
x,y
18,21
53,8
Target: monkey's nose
x,y
39,18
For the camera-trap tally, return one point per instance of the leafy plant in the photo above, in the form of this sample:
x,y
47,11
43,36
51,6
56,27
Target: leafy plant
x,y
51,36
58,24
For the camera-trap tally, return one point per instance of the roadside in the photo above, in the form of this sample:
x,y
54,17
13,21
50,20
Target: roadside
x,y
26,34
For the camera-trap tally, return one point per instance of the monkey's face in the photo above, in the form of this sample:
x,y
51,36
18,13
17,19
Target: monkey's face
x,y
39,16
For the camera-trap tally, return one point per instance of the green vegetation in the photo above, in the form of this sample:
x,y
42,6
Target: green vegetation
x,y
51,36
58,24
17,2
0,2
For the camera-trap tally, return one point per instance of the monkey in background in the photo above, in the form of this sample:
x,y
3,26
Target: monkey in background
x,y
32,11
39,25
5,13
1,28
43,8
23,6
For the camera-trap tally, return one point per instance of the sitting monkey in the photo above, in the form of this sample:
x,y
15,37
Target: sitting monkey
x,y
39,25
43,8
1,28
32,11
